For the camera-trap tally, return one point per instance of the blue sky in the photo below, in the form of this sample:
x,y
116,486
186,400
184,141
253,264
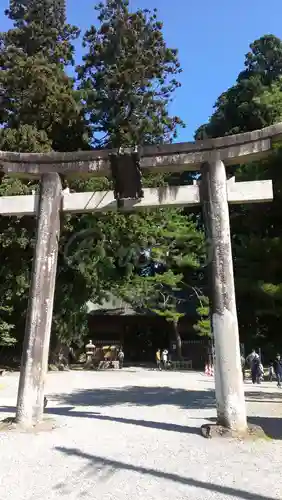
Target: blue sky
x,y
212,38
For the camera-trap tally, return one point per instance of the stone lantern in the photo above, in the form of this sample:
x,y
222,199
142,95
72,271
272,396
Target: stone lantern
x,y
90,349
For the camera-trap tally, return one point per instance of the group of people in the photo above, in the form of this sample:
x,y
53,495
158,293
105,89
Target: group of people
x,y
162,360
253,361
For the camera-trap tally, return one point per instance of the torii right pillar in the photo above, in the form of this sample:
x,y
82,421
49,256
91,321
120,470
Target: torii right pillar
x,y
229,386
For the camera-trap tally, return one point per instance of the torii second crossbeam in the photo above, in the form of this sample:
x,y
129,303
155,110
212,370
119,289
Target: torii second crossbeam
x,y
171,196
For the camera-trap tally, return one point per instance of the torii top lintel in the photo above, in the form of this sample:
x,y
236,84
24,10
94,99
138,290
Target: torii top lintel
x,y
232,149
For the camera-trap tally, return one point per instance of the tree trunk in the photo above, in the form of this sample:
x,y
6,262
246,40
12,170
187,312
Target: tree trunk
x,y
177,340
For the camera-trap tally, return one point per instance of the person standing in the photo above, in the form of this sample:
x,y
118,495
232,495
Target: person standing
x,y
270,372
252,361
158,359
251,357
255,369
243,366
120,358
165,358
277,365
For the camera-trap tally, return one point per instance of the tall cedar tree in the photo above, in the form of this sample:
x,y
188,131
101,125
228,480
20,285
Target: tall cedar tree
x,y
237,109
255,101
39,111
129,76
48,116
39,108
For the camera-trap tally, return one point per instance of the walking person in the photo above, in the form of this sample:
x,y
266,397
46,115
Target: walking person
x,y
277,365
158,359
121,358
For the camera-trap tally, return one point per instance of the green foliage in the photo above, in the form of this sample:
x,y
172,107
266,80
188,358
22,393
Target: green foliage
x,y
264,59
240,108
120,97
128,77
40,28
270,101
253,102
203,325
40,111
40,107
179,247
6,339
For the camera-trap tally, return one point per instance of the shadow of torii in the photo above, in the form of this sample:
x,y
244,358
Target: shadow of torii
x,y
96,463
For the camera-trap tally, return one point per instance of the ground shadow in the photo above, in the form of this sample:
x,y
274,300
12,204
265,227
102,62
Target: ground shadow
x,y
272,426
165,426
70,411
153,396
263,397
97,464
139,396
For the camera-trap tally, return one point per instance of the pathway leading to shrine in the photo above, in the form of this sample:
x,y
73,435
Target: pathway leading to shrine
x,y
134,434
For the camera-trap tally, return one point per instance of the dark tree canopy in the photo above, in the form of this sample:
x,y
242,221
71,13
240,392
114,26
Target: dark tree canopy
x,y
122,91
238,109
264,59
255,101
41,28
40,110
129,76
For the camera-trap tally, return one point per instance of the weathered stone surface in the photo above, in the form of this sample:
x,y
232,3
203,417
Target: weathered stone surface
x,y
168,157
252,431
173,196
40,308
231,410
11,424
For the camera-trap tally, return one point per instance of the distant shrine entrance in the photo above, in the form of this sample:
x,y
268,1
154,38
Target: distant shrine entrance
x,y
210,157
116,323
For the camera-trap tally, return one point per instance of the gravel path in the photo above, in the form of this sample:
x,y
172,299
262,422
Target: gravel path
x,y
134,434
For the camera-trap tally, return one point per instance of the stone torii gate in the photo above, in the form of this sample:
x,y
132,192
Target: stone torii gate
x,y
210,157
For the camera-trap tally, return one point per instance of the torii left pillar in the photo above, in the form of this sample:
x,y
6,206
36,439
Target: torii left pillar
x,y
34,365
